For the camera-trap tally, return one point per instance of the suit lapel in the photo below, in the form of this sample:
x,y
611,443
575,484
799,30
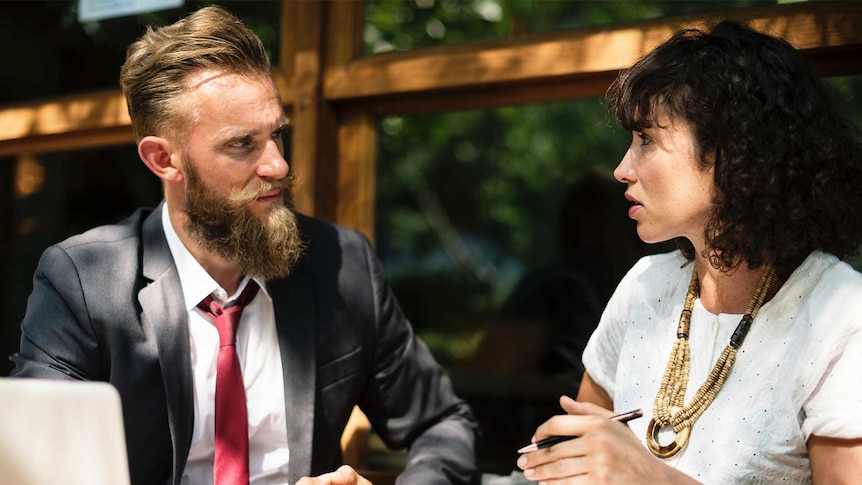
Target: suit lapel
x,y
293,301
165,321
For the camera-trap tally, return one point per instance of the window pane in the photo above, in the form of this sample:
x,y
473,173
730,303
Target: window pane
x,y
51,197
403,25
848,90
849,93
53,54
502,232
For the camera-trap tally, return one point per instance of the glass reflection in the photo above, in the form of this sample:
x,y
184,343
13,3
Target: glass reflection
x,y
502,232
54,54
51,196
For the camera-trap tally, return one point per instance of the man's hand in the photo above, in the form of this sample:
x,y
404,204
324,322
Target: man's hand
x,y
345,475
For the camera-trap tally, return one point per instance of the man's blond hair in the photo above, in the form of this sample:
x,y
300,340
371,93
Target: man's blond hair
x,y
157,66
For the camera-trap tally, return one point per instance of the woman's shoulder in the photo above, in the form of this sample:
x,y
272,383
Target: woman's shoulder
x,y
822,270
660,266
824,288
655,277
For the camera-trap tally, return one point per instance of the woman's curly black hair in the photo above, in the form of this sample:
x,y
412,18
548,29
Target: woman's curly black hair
x,y
787,164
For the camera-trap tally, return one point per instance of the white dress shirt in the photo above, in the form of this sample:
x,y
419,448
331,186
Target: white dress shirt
x,y
260,361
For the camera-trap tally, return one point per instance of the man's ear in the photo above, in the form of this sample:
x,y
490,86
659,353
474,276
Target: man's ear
x,y
157,154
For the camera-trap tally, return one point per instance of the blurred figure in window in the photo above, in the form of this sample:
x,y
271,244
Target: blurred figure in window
x,y
597,243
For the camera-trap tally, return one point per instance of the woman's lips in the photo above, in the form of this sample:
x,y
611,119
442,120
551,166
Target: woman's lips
x,y
636,207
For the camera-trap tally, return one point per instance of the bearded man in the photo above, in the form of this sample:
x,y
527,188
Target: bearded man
x,y
143,304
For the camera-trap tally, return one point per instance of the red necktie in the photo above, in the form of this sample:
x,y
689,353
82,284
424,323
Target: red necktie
x,y
230,466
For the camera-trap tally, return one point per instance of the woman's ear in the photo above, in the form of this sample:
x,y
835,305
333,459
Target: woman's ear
x,y
157,154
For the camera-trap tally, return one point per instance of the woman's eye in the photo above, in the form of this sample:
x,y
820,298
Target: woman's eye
x,y
645,139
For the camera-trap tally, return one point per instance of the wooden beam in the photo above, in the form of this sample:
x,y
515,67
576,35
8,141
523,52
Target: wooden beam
x,y
310,122
836,61
540,61
72,140
284,68
330,149
466,98
46,124
355,188
349,189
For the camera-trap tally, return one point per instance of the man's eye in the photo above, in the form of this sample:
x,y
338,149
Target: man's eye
x,y
243,143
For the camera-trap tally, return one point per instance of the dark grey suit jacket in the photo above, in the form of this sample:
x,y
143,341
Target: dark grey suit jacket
x,y
105,306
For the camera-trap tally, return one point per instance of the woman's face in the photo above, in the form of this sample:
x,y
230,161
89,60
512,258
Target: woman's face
x,y
670,192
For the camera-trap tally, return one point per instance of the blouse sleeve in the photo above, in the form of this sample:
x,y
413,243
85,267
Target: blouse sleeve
x,y
832,408
601,355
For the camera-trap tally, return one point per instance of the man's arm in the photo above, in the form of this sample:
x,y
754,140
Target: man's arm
x,y
410,400
57,339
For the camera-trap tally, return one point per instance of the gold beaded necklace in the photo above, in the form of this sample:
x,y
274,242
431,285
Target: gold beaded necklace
x,y
669,408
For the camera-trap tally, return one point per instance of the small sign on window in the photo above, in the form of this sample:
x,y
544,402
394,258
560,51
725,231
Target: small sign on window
x,y
91,10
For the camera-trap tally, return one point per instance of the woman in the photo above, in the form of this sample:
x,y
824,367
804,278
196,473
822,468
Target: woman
x,y
743,347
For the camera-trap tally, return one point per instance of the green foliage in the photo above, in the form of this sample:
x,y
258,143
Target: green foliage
x,y
409,24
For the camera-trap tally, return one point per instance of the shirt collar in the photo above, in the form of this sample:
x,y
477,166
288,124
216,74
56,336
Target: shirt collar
x,y
196,283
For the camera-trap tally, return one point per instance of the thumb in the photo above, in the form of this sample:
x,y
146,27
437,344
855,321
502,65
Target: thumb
x,y
346,475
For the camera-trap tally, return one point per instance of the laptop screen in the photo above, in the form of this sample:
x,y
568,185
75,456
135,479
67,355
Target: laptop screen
x,y
67,432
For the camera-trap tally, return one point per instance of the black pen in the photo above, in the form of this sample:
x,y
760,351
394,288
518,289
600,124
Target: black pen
x,y
547,442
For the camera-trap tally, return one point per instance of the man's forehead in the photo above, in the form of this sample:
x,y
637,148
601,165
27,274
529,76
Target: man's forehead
x,y
207,90
220,78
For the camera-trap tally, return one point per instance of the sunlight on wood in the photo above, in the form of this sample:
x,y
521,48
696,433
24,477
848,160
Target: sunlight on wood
x,y
85,112
569,54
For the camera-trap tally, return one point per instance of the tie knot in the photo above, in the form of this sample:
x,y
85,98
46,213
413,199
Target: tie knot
x,y
226,319
247,295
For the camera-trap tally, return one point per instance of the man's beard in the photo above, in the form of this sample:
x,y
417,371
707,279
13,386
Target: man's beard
x,y
226,226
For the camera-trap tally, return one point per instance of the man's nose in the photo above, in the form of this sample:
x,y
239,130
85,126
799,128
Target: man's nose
x,y
274,166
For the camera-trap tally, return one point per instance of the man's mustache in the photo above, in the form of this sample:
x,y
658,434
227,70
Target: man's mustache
x,y
251,193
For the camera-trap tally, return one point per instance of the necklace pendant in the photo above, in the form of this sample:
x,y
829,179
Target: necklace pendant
x,y
666,451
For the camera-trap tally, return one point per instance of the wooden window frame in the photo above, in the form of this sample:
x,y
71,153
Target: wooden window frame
x,y
334,95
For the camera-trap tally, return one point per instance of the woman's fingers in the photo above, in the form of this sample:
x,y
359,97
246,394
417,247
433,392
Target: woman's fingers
x,y
568,425
564,468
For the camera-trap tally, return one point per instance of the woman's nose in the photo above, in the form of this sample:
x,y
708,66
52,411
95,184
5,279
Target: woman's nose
x,y
624,172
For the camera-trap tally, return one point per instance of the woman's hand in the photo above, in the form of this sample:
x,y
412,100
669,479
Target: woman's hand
x,y
605,452
345,475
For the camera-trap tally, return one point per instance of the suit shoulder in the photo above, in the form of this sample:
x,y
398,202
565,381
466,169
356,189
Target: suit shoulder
x,y
319,232
333,249
108,235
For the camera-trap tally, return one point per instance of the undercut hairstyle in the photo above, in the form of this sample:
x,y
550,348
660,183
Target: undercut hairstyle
x,y
787,163
158,65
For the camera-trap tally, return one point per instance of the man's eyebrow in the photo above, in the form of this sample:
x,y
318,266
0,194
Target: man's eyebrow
x,y
231,136
239,135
